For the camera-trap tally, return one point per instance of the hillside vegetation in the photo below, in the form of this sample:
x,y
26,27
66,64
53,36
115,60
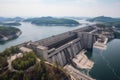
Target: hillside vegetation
x,y
7,33
107,21
11,24
29,67
52,21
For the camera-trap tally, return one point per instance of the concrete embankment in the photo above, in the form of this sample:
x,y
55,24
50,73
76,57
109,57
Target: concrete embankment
x,y
75,74
81,60
101,45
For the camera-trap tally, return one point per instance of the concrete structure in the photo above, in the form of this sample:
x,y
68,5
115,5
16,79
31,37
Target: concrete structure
x,y
66,48
101,44
62,48
75,74
82,61
25,49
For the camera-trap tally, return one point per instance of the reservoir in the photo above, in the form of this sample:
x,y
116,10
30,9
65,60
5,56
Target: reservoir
x,y
106,62
34,33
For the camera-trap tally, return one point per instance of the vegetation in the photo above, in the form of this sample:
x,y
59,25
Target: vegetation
x,y
40,71
3,62
44,71
52,21
3,19
11,24
109,24
8,75
24,62
28,68
103,25
3,57
6,31
9,51
107,21
104,19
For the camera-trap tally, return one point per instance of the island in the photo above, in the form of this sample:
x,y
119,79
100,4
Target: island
x,y
8,33
50,21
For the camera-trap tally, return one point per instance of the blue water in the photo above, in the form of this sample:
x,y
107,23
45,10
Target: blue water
x,y
107,65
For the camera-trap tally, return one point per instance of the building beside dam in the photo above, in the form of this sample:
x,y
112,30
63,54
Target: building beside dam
x,y
62,48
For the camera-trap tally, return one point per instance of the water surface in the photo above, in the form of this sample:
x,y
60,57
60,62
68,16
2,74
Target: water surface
x,y
34,32
107,65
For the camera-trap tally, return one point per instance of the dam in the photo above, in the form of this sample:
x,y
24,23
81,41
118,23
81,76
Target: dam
x,y
67,49
62,48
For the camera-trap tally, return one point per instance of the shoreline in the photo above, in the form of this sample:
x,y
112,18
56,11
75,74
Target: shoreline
x,y
10,37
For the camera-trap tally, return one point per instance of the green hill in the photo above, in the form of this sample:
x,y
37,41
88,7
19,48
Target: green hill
x,y
104,19
7,33
11,24
29,67
107,21
50,21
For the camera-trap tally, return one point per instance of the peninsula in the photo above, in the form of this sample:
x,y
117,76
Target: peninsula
x,y
8,33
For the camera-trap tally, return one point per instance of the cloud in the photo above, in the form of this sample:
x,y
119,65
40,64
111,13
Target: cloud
x,y
58,8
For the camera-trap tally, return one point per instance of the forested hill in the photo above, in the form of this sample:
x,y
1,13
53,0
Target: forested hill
x,y
107,21
7,33
104,19
10,24
4,19
50,21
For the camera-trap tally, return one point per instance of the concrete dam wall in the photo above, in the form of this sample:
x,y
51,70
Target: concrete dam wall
x,y
64,47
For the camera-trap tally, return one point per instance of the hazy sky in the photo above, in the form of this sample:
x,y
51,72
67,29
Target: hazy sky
x,y
32,8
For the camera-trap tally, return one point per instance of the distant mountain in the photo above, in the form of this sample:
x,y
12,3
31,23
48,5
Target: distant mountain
x,y
107,21
50,21
11,24
3,19
77,18
18,19
104,19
